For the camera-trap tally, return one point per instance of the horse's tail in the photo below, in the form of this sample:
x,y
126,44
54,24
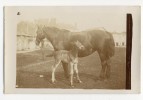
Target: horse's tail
x,y
109,46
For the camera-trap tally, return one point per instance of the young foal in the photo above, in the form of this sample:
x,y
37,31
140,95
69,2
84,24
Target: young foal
x,y
70,57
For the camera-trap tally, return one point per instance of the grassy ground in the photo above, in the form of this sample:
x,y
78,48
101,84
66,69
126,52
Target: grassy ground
x,y
35,72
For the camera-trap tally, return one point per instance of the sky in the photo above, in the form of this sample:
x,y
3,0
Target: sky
x,y
86,17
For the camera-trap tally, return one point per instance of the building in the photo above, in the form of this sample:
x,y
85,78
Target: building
x,y
25,42
119,39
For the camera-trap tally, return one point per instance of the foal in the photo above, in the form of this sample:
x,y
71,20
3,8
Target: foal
x,y
70,57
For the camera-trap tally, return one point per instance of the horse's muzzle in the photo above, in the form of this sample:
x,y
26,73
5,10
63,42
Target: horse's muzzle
x,y
82,48
37,43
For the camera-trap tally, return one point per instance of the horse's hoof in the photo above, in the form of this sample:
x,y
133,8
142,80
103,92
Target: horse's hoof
x,y
72,86
79,81
54,82
100,78
106,80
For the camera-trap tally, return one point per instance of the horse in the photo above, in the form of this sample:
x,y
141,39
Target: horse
x,y
93,40
70,57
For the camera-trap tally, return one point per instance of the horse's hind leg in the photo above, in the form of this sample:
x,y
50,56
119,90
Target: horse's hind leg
x,y
104,66
103,70
108,68
54,69
77,76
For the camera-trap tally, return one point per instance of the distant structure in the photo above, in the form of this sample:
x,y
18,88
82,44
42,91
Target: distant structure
x,y
25,42
26,36
120,39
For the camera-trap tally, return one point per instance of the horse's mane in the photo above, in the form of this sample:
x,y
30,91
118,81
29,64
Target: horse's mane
x,y
55,29
65,30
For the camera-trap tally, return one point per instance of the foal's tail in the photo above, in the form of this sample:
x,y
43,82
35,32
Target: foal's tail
x,y
109,46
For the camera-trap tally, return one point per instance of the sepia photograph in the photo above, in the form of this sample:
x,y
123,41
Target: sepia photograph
x,y
72,47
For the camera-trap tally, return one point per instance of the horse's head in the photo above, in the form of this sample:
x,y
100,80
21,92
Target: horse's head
x,y
40,35
78,45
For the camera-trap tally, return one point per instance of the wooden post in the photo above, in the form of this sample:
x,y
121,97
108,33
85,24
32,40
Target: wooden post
x,y
128,50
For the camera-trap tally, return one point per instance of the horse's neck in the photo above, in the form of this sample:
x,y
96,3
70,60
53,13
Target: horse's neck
x,y
74,51
54,40
49,34
50,37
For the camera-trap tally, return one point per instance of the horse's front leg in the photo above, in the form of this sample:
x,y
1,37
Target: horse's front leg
x,y
66,69
76,70
54,69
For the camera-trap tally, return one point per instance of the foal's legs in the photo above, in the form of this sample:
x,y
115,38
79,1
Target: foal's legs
x,y
54,69
71,74
77,76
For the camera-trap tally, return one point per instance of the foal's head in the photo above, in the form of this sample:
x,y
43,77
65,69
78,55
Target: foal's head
x,y
40,35
78,45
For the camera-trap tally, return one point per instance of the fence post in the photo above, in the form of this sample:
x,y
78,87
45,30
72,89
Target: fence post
x,y
128,50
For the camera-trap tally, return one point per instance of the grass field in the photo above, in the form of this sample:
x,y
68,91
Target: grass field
x,y
35,72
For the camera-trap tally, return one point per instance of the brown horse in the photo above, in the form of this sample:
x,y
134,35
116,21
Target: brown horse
x,y
93,40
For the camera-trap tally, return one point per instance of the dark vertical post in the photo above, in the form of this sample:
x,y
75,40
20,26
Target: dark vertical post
x,y
128,50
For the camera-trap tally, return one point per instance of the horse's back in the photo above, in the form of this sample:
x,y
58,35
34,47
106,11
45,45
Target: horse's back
x,y
93,40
